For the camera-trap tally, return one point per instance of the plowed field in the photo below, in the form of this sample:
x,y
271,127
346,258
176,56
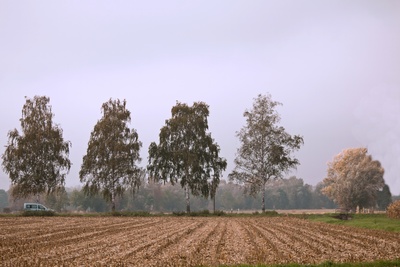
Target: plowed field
x,y
185,241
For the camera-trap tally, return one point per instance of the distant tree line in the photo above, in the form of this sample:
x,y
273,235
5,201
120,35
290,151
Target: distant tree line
x,y
291,193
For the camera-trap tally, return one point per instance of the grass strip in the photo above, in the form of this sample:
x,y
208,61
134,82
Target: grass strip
x,y
369,221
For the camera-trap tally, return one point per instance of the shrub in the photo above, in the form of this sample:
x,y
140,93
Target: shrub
x,y
393,210
200,213
40,213
129,213
7,210
219,213
179,213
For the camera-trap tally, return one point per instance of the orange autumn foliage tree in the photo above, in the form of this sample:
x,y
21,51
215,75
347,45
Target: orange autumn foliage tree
x,y
353,179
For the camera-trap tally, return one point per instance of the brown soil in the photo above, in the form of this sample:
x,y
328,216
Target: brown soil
x,y
185,241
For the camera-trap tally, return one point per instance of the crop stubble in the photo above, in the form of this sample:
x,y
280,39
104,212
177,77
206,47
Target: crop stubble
x,y
185,241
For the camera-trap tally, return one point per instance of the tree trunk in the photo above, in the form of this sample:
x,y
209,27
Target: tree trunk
x,y
214,204
112,201
263,198
187,198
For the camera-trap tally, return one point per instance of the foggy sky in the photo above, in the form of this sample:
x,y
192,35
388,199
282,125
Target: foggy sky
x,y
334,65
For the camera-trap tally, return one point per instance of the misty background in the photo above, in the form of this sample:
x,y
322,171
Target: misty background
x,y
334,65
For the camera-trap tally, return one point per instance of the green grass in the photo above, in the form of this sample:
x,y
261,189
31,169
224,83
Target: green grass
x,y
329,264
370,221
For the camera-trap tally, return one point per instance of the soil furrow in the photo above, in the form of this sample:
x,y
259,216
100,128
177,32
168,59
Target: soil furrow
x,y
186,241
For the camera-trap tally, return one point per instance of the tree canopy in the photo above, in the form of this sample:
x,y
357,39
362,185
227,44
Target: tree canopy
x,y
353,179
266,148
187,153
110,163
37,159
384,197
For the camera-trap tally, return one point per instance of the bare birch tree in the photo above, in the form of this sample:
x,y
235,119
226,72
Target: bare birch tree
x,y
266,148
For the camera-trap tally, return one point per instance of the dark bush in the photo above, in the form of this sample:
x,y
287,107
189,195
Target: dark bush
x,y
130,213
179,213
40,213
201,213
7,210
270,213
343,216
219,213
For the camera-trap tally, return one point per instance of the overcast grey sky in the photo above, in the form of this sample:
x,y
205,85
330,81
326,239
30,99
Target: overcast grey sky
x,y
334,65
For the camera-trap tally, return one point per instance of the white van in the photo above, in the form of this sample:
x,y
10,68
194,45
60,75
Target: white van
x,y
35,207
